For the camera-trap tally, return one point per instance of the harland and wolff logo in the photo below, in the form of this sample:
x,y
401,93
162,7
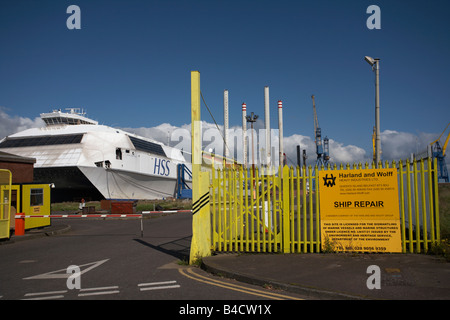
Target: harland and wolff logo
x,y
329,181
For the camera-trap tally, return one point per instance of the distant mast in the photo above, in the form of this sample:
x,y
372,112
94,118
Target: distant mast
x,y
244,133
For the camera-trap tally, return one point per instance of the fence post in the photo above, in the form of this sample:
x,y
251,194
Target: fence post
x,y
408,195
286,220
424,206
201,220
430,199
436,201
416,205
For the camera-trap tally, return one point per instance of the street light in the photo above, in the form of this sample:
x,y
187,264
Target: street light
x,y
369,60
375,63
252,118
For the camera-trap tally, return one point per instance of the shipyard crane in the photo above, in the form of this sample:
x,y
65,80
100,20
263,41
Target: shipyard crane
x,y
439,154
322,149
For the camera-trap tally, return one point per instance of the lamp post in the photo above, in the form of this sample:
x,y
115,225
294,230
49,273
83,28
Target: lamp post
x,y
252,118
375,63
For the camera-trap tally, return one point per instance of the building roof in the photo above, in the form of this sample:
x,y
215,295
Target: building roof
x,y
9,157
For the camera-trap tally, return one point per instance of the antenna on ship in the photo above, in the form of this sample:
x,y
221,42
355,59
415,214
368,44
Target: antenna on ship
x,y
79,111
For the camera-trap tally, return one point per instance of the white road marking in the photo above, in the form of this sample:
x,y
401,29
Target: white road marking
x,y
159,288
27,261
47,295
85,292
44,293
99,288
158,285
46,298
62,273
98,292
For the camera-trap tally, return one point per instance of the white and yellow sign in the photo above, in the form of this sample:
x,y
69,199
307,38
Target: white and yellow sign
x,y
360,210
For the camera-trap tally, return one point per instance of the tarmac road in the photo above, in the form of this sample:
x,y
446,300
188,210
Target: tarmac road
x,y
116,263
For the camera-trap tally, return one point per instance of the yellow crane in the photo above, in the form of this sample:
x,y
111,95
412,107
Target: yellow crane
x,y
446,140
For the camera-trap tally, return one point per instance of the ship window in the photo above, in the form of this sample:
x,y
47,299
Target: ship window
x,y
36,197
64,120
41,141
99,164
147,146
118,154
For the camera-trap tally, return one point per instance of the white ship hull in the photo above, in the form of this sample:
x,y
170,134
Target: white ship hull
x,y
121,184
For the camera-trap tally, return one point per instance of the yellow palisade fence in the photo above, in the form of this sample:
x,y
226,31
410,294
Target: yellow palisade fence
x,y
259,210
246,209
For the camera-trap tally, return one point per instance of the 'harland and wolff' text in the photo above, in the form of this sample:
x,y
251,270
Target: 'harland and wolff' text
x,y
366,175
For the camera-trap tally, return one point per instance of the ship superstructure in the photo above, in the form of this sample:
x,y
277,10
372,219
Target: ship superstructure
x,y
86,160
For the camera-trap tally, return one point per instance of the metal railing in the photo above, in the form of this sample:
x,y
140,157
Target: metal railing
x,y
254,210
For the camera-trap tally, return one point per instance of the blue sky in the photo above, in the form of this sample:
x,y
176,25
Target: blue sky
x,y
129,66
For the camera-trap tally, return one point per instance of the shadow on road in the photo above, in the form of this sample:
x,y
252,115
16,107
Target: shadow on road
x,y
179,248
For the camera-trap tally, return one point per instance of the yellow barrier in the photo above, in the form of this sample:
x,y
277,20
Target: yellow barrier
x,y
252,211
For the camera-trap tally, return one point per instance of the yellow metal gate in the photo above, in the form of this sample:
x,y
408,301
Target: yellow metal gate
x,y
246,209
252,213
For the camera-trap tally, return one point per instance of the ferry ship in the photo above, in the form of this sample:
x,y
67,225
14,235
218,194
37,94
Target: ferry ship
x,y
84,159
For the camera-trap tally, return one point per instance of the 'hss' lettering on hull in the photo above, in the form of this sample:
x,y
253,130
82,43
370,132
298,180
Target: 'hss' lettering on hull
x,y
161,167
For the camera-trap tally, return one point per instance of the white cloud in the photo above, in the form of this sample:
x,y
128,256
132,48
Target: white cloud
x,y
12,124
159,133
395,145
212,139
290,148
340,153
